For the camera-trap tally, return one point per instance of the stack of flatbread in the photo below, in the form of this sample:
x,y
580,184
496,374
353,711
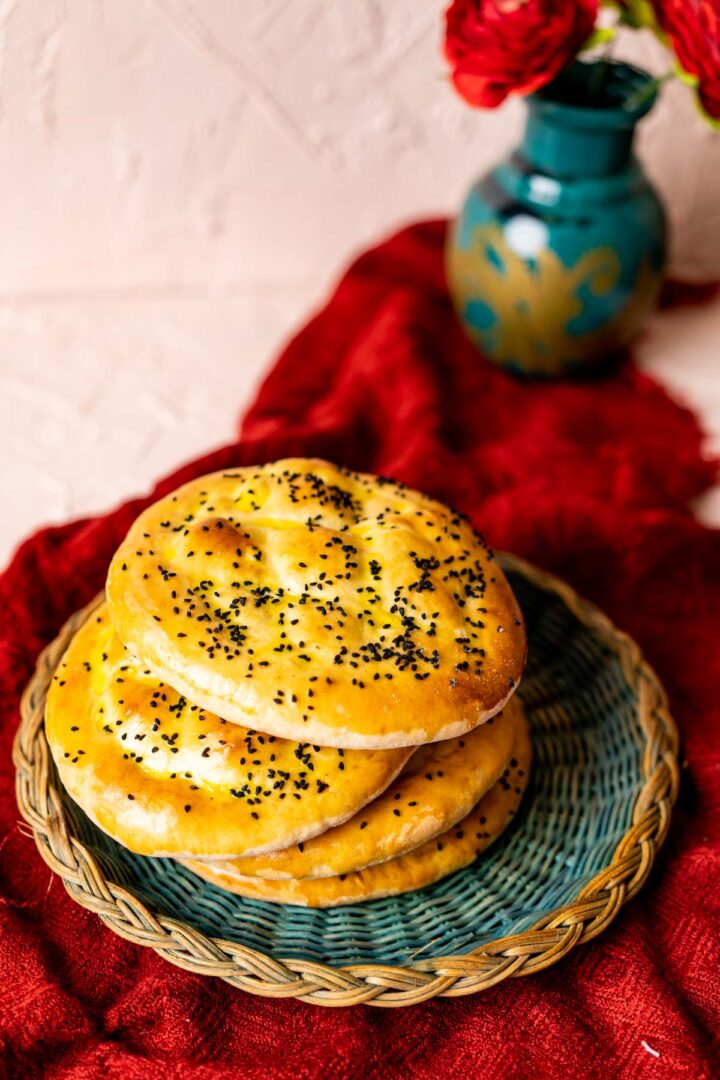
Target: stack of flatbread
x,y
300,684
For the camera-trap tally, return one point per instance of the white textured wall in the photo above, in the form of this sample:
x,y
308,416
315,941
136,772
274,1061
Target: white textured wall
x,y
180,180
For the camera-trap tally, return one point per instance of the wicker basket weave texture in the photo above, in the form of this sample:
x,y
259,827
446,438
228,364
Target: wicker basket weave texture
x,y
604,779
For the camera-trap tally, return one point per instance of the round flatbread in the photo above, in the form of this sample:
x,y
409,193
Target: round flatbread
x,y
319,604
439,785
165,777
434,860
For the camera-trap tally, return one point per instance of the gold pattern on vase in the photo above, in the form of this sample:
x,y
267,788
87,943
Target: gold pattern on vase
x,y
533,303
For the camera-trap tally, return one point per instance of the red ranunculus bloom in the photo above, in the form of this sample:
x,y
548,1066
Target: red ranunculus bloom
x,y
693,27
501,47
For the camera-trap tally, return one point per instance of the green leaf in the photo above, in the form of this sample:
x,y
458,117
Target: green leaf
x,y
685,76
693,82
601,35
639,15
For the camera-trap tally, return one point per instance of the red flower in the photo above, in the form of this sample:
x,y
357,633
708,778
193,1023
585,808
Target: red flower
x,y
693,27
501,47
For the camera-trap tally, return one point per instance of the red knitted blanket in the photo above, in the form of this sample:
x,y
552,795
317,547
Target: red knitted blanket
x,y
588,479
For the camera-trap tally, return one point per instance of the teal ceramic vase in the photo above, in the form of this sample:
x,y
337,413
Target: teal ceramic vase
x,y
557,255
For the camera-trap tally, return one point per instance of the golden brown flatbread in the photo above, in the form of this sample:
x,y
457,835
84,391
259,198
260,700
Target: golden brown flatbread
x,y
319,604
166,777
439,785
427,864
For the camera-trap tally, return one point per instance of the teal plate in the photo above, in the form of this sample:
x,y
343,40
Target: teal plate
x,y
604,779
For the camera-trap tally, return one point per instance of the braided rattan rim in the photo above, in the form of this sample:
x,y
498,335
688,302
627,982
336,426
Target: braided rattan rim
x,y
549,939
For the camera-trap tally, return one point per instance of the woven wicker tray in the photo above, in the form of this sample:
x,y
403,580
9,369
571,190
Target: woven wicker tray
x,y
605,777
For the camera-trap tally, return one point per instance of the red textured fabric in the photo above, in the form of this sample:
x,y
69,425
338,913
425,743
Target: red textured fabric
x,y
589,479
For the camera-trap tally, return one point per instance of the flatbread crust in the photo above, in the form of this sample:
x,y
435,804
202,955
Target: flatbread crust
x,y
439,785
165,777
436,859
319,604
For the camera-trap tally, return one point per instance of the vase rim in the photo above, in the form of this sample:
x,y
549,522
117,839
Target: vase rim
x,y
614,108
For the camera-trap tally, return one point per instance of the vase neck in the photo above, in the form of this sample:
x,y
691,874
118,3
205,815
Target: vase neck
x,y
567,145
582,124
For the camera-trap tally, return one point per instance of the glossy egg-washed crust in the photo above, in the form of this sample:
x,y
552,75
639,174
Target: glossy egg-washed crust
x,y
425,865
319,604
165,777
440,784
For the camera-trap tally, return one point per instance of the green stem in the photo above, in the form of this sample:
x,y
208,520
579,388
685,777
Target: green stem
x,y
599,76
597,80
644,92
